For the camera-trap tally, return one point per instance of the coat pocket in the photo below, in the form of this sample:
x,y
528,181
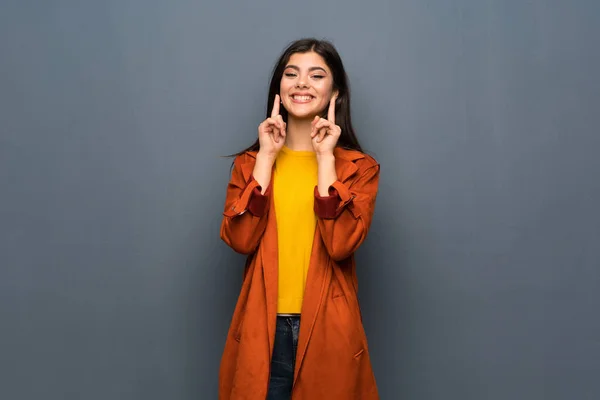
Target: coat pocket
x,y
349,325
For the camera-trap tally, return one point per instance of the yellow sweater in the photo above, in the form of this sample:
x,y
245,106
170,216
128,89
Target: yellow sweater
x,y
294,181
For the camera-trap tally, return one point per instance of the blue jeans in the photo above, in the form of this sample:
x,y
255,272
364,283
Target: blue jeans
x,y
284,358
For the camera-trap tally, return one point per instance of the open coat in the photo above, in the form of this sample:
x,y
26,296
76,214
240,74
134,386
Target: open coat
x,y
332,360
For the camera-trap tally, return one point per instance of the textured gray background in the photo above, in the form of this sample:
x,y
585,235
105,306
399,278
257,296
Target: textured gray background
x,y
479,280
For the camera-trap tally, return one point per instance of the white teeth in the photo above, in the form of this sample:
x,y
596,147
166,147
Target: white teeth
x,y
302,98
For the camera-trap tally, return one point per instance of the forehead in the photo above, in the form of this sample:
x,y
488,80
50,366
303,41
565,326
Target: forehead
x,y
307,60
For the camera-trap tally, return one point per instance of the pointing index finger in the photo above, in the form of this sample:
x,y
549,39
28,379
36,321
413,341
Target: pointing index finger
x,y
331,113
275,111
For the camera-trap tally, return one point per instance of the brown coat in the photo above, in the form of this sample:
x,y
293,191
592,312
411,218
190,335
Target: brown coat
x,y
332,361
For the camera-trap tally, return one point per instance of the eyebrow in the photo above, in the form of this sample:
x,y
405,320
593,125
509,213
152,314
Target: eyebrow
x,y
310,69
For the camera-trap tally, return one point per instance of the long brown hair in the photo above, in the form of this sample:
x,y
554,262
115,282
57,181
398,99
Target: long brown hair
x,y
333,60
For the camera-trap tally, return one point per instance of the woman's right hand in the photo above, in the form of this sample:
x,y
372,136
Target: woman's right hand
x,y
271,132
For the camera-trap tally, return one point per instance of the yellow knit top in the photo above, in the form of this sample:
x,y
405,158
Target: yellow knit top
x,y
294,179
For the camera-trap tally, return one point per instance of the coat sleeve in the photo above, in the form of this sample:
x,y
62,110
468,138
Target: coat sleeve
x,y
245,214
344,217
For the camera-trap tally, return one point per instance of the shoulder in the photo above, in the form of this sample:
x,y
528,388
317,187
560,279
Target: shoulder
x,y
244,158
362,160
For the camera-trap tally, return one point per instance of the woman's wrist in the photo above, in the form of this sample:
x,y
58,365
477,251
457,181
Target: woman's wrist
x,y
262,170
327,174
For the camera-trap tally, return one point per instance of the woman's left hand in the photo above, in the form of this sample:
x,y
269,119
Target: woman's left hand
x,y
325,133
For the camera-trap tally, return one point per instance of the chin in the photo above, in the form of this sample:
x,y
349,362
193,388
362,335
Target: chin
x,y
301,116
309,114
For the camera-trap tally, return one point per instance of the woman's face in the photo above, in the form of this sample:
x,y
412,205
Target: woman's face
x,y
306,85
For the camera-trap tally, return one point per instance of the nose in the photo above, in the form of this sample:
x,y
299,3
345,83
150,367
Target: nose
x,y
301,82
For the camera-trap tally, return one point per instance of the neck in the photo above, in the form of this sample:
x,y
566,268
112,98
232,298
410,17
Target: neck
x,y
298,134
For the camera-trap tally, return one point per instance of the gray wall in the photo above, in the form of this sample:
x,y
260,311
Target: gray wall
x,y
480,276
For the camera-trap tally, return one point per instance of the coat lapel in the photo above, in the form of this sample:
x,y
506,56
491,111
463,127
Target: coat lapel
x,y
319,272
270,266
248,165
345,167
317,281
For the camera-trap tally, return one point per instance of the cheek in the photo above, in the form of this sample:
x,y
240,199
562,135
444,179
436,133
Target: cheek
x,y
325,89
325,95
285,86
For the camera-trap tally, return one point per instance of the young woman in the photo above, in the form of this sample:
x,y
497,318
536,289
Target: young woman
x,y
299,204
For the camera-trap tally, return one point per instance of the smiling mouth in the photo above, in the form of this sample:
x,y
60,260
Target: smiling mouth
x,y
301,99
